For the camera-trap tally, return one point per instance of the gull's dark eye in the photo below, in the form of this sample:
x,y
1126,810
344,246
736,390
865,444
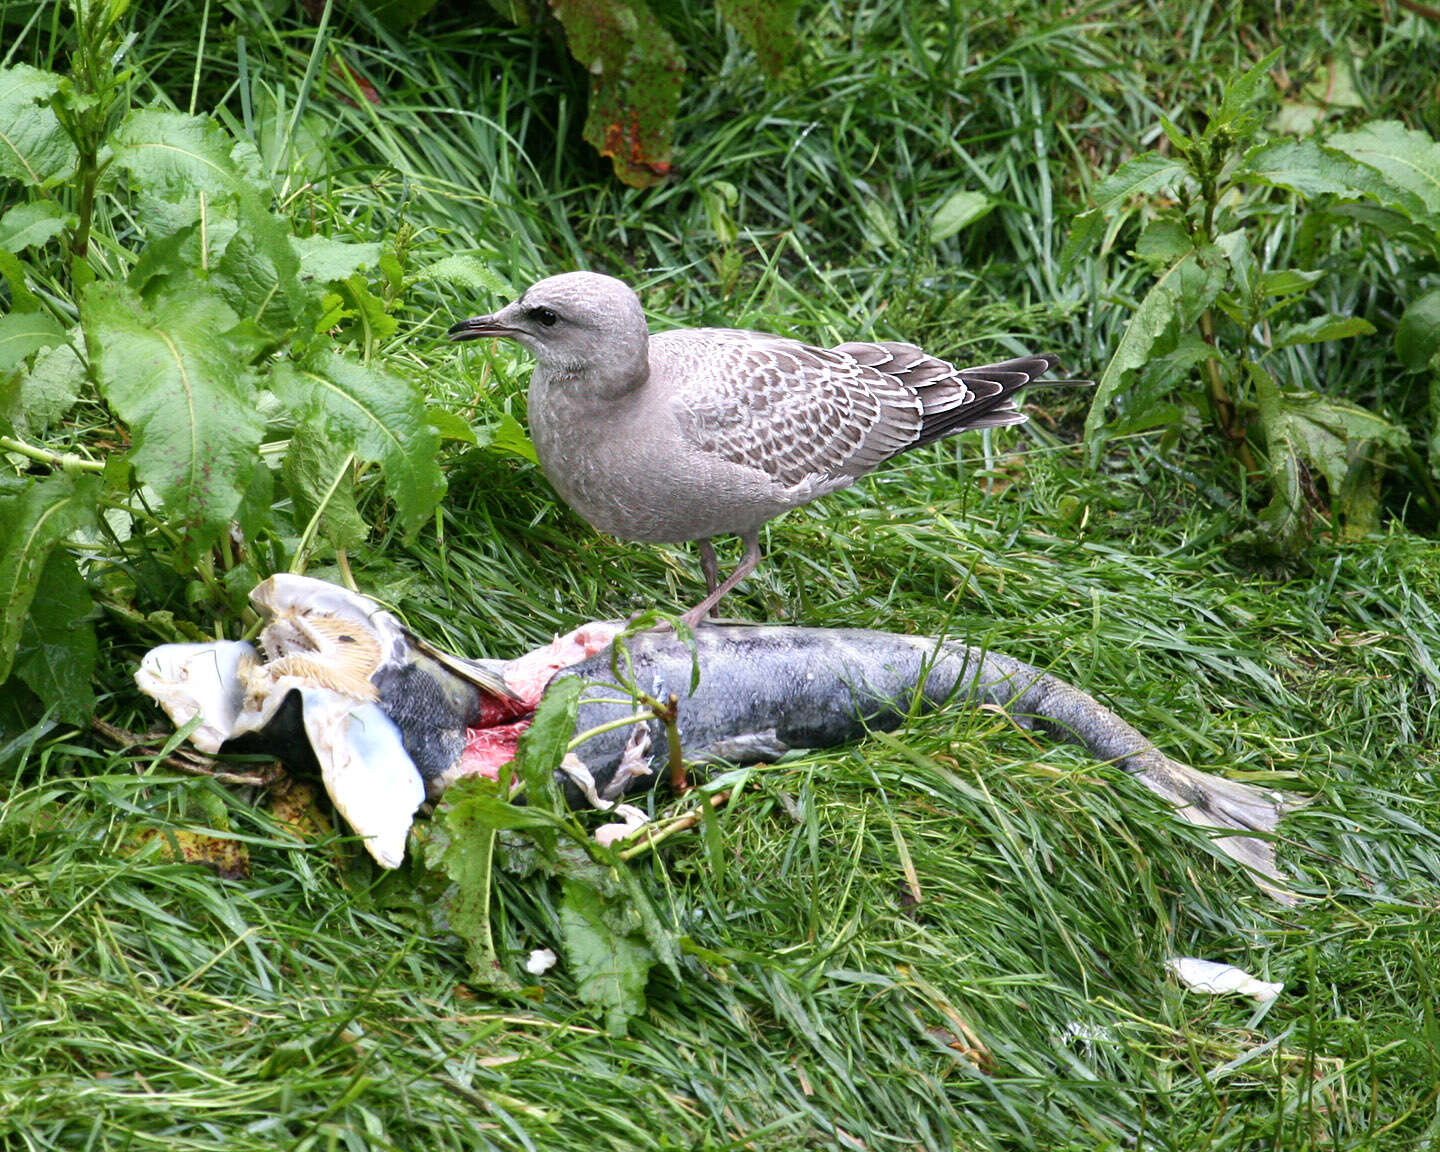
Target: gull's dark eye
x,y
545,316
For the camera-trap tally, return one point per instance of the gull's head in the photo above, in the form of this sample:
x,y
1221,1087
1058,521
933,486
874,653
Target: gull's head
x,y
579,322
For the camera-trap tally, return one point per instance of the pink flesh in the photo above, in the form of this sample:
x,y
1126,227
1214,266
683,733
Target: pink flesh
x,y
493,743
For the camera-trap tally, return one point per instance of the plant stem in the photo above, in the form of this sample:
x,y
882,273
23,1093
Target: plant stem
x,y
66,461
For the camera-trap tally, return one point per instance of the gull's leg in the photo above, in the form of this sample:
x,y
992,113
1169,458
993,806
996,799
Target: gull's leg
x,y
747,565
709,565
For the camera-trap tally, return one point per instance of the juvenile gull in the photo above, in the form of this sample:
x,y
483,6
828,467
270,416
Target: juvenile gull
x,y
698,432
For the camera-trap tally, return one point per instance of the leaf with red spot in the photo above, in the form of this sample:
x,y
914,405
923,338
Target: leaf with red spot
x,y
635,74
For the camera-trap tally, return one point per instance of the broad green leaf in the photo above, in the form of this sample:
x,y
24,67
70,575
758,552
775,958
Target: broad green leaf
x,y
22,333
1173,303
259,273
57,650
543,745
176,155
958,211
1141,176
33,225
635,72
323,259
1288,281
1244,268
375,322
508,435
1286,518
1308,169
1341,441
1417,336
375,414
468,273
1240,108
34,149
256,513
767,26
173,378
1322,328
879,222
33,524
468,858
1408,159
49,389
21,298
1163,241
451,426
611,965
318,469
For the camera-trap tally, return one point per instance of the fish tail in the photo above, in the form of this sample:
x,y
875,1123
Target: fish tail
x,y
1229,808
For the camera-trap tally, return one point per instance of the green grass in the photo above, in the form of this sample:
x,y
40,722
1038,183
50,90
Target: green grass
x,y
1023,1001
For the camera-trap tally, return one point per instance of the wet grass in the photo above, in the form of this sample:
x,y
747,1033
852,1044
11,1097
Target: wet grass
x,y
952,936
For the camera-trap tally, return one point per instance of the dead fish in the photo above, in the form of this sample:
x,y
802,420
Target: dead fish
x,y
312,700
761,691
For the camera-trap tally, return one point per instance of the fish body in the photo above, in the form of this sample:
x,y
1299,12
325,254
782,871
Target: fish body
x,y
764,691
743,694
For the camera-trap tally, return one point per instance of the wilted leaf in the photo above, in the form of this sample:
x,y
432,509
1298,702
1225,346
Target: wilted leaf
x,y
375,414
767,27
296,804
229,859
635,74
611,964
1417,336
191,407
32,225
34,149
30,528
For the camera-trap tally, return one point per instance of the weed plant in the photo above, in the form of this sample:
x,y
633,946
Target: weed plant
x,y
953,936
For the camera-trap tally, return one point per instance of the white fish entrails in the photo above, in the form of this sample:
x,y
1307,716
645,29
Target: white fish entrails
x,y
1220,979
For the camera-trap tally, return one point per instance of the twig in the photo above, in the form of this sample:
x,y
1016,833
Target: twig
x,y
1419,9
652,834
183,760
65,461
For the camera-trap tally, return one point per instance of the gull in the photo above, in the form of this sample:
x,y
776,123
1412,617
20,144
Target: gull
x,y
700,432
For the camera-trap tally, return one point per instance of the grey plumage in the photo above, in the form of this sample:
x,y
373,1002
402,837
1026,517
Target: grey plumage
x,y
698,432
